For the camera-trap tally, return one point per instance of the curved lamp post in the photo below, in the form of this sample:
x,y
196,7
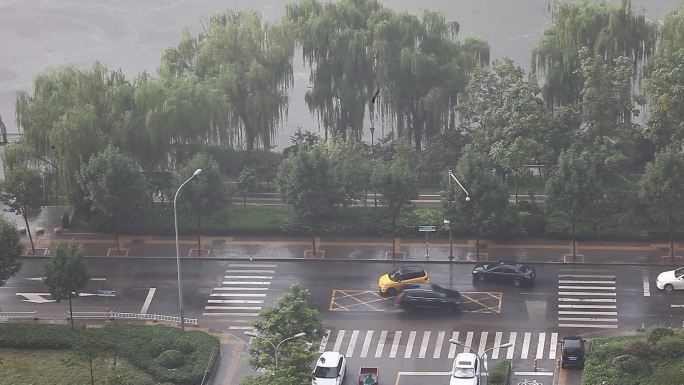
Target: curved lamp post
x,y
483,357
446,221
175,224
275,347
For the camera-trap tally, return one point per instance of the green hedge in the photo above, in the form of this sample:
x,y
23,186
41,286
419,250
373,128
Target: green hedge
x,y
500,374
34,336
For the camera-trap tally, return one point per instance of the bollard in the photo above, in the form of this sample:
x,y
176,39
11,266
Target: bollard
x,y
558,363
535,364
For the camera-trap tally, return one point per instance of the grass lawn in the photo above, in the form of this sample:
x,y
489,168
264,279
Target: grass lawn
x,y
43,367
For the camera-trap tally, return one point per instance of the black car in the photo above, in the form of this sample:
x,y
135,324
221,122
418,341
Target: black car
x,y
508,272
428,296
572,351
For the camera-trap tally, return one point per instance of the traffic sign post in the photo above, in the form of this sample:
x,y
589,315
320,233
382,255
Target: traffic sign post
x,y
427,229
106,293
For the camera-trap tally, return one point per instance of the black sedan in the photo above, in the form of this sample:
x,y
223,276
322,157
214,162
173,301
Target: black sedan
x,y
507,272
428,296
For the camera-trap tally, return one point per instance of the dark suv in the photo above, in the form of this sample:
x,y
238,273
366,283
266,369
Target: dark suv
x,y
572,351
508,272
428,296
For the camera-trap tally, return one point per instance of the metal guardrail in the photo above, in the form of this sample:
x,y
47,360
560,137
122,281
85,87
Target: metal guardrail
x,y
136,316
17,315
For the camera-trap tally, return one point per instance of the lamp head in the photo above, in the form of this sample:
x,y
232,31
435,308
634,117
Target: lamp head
x,y
197,172
250,334
300,335
467,199
457,342
506,345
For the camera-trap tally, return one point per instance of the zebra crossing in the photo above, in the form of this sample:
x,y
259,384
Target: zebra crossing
x,y
587,301
242,294
430,344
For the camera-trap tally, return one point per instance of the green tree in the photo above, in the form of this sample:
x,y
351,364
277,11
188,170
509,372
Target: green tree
x,y
660,189
246,183
204,193
291,315
352,169
665,124
21,191
488,196
573,188
3,132
87,350
307,182
10,250
517,155
115,188
397,183
66,273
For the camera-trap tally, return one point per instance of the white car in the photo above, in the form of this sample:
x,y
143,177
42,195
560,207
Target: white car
x,y
466,370
671,280
330,369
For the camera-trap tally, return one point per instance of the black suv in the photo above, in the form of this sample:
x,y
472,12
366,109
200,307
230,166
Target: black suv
x,y
428,296
572,351
508,272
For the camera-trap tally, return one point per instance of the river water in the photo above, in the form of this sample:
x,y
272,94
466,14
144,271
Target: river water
x,y
131,34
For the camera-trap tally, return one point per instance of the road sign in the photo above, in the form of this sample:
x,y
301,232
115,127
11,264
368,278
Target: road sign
x,y
428,228
106,293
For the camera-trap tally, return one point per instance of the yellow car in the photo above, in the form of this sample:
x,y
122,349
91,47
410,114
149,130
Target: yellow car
x,y
392,283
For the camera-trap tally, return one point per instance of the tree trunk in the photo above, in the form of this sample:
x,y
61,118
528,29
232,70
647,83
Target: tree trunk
x,y
244,200
313,243
199,231
28,230
394,237
477,247
574,245
118,248
516,188
71,313
90,365
672,252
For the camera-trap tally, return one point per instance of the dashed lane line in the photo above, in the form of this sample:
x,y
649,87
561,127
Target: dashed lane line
x,y
395,344
587,306
240,288
452,347
247,277
611,282
587,312
468,341
438,345
497,343
148,300
511,349
540,346
409,344
352,343
587,293
237,295
366,343
246,283
594,326
381,344
526,345
553,345
483,343
586,300
647,284
424,344
338,341
566,319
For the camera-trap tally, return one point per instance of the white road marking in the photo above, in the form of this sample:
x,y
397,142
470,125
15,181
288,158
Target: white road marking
x,y
587,293
676,305
324,341
588,319
526,345
240,288
452,347
553,344
424,344
249,265
231,314
232,308
338,341
251,271
497,342
540,346
587,326
647,284
468,342
240,328
395,344
381,344
35,297
148,300
233,301
246,283
588,306
587,282
483,343
511,349
587,287
588,312
438,345
533,373
586,300
409,344
352,343
236,295
366,343
98,279
247,277
587,276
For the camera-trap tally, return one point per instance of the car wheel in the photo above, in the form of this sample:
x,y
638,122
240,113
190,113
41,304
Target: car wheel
x,y
480,277
391,292
668,288
517,282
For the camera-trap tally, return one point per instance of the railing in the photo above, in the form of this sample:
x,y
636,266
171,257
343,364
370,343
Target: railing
x,y
136,316
6,316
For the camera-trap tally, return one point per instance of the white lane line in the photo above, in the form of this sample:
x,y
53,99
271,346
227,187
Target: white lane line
x,y
395,344
324,341
586,300
233,301
381,344
249,265
540,346
587,293
533,373
582,319
647,284
366,343
352,343
452,347
587,326
240,288
511,349
676,305
438,345
231,314
148,300
497,342
251,271
240,328
553,344
246,283
247,277
236,295
587,276
97,279
483,343
232,308
586,282
409,344
468,342
424,344
588,306
586,287
588,312
338,341
526,346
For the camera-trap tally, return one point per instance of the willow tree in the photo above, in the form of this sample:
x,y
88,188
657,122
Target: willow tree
x,y
606,30
336,41
246,67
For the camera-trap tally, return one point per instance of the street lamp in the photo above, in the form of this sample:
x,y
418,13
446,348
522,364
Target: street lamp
x,y
275,347
175,224
446,221
483,357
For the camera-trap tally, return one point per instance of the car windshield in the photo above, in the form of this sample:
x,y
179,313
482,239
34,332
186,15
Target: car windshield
x,y
323,372
571,344
394,276
524,269
464,373
679,272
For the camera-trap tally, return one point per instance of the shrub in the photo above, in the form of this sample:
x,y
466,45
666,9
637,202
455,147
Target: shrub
x,y
184,346
628,363
658,333
157,345
171,359
499,375
670,347
37,336
639,348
